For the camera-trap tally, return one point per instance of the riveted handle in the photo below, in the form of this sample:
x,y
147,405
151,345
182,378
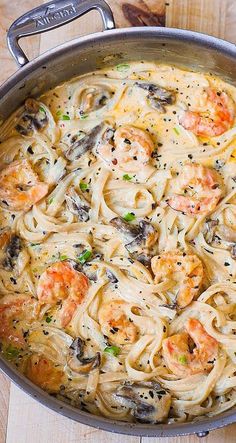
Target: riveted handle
x,y
50,16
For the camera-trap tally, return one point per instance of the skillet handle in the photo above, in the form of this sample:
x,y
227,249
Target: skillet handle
x,y
50,16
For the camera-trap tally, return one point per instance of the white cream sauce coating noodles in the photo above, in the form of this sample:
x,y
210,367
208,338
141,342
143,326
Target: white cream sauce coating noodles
x,y
118,243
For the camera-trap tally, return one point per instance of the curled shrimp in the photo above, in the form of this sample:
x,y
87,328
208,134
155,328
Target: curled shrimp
x,y
215,118
60,282
12,307
20,187
115,324
129,149
44,373
199,190
181,360
185,269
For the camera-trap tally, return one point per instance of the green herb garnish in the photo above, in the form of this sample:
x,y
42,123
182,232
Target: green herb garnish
x,y
65,117
33,245
177,131
85,256
122,67
50,201
63,257
11,352
48,319
83,116
113,350
42,109
129,217
183,359
83,186
59,113
127,177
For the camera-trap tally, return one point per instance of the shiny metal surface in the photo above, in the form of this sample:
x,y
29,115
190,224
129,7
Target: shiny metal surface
x,y
182,48
50,16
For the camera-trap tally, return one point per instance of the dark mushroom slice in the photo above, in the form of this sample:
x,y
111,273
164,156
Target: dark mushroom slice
x,y
130,232
139,240
148,401
233,251
157,96
90,268
77,362
34,118
84,144
10,247
77,204
209,230
216,233
94,98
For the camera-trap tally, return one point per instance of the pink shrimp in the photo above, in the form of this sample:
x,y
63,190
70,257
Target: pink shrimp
x,y
217,118
200,190
178,357
61,282
20,187
131,150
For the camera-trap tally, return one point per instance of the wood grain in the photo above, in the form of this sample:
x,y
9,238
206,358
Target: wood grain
x,y
31,422
4,401
25,420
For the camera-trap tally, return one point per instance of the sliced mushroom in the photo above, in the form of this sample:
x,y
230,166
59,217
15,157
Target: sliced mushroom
x,y
10,247
216,233
149,402
209,230
130,232
77,205
139,240
157,96
94,98
77,362
84,144
34,118
90,268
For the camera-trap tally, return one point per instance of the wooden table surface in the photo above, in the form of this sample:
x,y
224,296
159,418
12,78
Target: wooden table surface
x,y
22,419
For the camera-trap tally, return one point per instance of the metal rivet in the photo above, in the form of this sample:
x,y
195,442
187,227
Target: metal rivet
x,y
202,434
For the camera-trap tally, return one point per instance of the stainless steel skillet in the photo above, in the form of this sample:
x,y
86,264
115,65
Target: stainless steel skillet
x,y
182,48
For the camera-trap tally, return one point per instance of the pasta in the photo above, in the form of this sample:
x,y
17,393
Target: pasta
x,y
118,243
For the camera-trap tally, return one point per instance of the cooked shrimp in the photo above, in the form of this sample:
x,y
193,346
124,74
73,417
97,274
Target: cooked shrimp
x,y
115,324
181,360
131,149
20,187
215,118
12,307
201,187
44,373
185,269
60,282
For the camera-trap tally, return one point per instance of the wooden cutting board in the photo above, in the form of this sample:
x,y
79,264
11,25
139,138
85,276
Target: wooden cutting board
x,y
22,419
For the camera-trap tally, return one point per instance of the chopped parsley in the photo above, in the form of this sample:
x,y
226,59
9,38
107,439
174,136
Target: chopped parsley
x,y
177,131
183,359
11,352
129,217
113,350
83,186
85,256
83,116
65,117
127,177
42,109
122,67
48,319
63,257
